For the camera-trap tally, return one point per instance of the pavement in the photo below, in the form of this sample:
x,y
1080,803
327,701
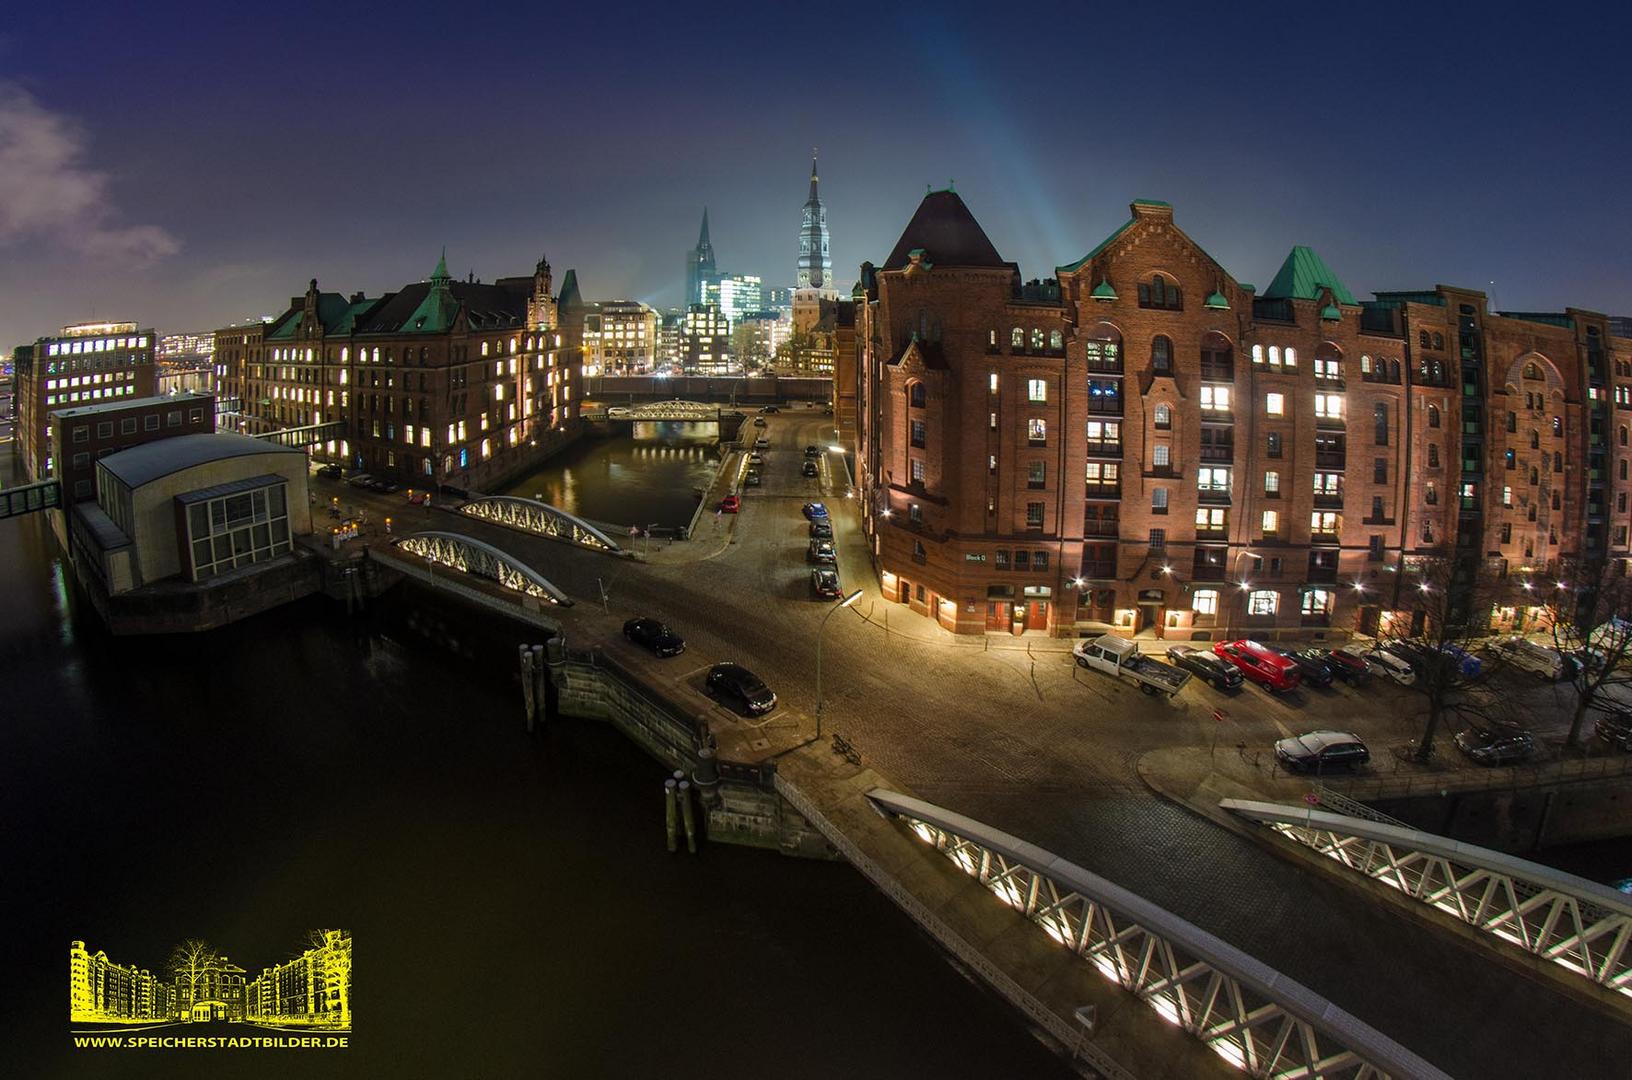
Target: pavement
x,y
1011,732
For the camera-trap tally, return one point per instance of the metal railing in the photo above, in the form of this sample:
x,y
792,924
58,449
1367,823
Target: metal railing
x,y
1580,925
471,556
1251,1015
310,435
538,518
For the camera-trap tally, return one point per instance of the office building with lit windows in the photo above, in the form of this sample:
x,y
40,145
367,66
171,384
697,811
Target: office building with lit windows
x,y
626,342
706,341
86,364
736,295
1146,445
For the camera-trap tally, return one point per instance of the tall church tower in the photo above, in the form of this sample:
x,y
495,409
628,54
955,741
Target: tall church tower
x,y
700,268
541,307
815,264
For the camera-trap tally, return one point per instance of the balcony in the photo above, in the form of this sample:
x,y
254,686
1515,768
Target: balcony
x,y
1328,500
1103,491
1104,406
1104,448
1218,452
1218,416
1214,534
1325,538
1103,365
1218,372
1213,496
1330,459
1322,575
1101,528
1329,423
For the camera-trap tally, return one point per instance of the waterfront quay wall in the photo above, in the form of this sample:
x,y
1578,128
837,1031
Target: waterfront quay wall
x,y
633,389
184,607
1565,803
744,808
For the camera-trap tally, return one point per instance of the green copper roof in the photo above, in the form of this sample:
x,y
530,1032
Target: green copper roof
x,y
1302,276
1217,302
1331,311
1151,202
435,313
1103,244
1103,290
441,270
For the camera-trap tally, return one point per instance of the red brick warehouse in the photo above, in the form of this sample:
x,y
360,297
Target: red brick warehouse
x,y
1144,444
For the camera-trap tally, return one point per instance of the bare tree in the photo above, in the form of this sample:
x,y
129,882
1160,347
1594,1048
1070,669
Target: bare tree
x,y
190,960
1441,616
1589,609
333,948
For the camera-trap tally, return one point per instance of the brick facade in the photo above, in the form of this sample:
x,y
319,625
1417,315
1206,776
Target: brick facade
x,y
1145,443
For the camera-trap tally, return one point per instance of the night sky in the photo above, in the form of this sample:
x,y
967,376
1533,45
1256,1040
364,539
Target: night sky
x,y
193,165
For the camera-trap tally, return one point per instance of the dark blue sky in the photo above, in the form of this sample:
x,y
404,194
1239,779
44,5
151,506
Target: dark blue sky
x,y
241,153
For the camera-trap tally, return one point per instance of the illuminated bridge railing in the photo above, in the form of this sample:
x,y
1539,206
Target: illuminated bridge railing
x,y
30,498
539,518
471,556
310,435
1251,1015
1581,925
665,410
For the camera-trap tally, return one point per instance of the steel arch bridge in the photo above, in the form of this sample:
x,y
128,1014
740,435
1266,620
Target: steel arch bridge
x,y
1581,925
470,556
665,410
1251,1015
538,518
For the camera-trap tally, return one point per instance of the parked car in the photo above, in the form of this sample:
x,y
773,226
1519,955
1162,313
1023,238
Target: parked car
x,y
1269,669
1467,664
821,529
814,510
731,504
1312,665
330,470
1496,745
751,479
825,584
809,469
1393,665
761,443
1205,666
737,683
759,421
813,451
1120,657
359,480
654,635
1347,665
756,458
770,409
1415,653
1543,661
821,551
1615,728
1322,750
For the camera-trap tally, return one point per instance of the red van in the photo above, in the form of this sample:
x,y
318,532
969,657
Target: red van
x,y
1271,670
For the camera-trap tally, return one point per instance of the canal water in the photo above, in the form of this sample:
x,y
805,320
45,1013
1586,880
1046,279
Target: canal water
x,y
515,910
650,476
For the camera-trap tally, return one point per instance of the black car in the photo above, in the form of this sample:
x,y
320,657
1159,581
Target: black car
x,y
770,409
813,451
1496,745
736,682
1315,670
1615,728
656,636
821,551
809,469
1205,666
330,470
825,584
751,478
821,530
1321,750
384,487
1346,664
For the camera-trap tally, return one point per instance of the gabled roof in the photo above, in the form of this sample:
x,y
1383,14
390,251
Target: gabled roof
x,y
929,353
947,233
331,312
484,305
1103,244
1302,277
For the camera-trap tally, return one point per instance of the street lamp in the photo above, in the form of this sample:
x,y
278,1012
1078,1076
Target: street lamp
x,y
846,602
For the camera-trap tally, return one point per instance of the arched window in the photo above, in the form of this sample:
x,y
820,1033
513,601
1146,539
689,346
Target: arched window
x,y
1164,416
1365,364
1439,341
1257,354
1161,354
1380,421
1623,434
916,394
1433,455
1623,469
1510,458
1558,425
1535,476
991,339
1430,494
1422,339
1535,440
1558,461
1433,416
1160,293
1017,338
1275,355
1291,357
1393,371
1217,357
1436,371
1037,339
1056,340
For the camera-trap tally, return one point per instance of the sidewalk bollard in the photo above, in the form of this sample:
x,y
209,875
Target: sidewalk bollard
x,y
529,703
690,816
671,827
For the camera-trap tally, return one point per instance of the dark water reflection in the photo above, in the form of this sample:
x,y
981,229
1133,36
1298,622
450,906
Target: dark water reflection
x,y
649,476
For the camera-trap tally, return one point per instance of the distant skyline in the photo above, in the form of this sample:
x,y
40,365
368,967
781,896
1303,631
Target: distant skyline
x,y
157,164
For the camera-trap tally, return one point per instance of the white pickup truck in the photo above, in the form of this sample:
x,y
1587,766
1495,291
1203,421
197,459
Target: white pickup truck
x,y
1118,656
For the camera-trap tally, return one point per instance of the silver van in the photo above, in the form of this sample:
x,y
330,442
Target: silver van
x,y
1543,661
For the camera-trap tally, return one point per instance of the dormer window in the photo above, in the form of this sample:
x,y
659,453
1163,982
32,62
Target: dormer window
x,y
1161,294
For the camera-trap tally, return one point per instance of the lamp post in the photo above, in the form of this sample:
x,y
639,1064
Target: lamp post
x,y
846,602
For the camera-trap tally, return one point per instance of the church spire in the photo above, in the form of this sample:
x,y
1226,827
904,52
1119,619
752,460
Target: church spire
x,y
702,237
439,276
814,198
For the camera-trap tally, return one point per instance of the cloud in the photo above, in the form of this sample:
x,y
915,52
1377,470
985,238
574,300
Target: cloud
x,y
47,191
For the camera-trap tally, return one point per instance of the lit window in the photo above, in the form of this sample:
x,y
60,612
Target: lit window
x,y
1317,602
1158,500
1162,455
1507,496
1164,415
991,382
1263,602
1275,404
1215,398
1272,522
1291,357
1037,430
1272,483
1329,406
1205,602
1275,355
1036,390
1323,521
1212,479
1210,519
